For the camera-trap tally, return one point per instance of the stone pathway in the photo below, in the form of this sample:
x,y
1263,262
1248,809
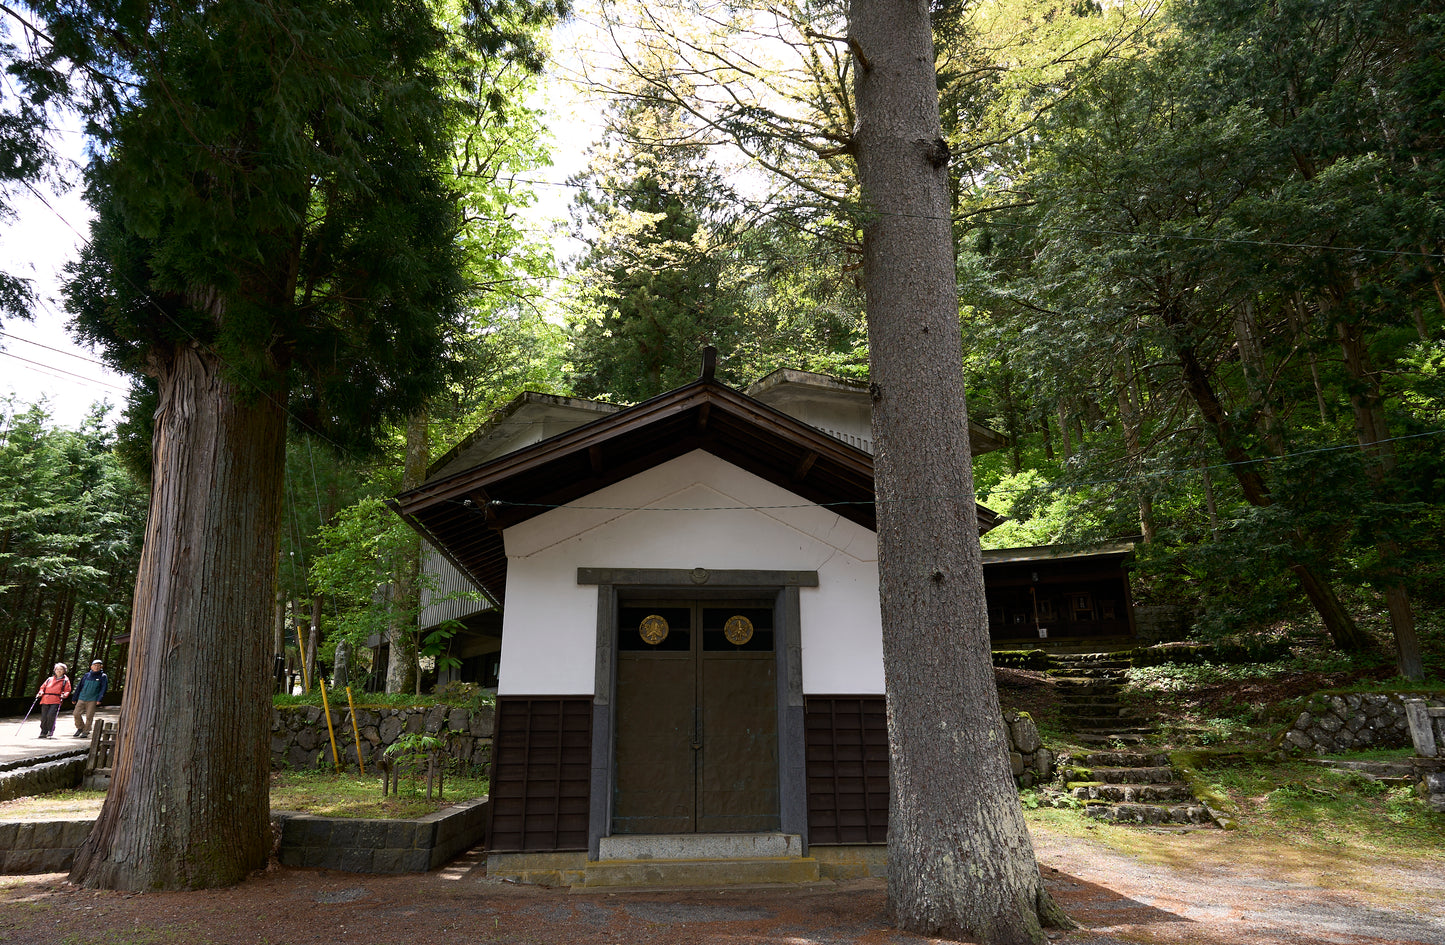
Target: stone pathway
x,y
20,746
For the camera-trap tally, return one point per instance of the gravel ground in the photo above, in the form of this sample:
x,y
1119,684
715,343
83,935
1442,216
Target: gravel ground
x,y
1118,898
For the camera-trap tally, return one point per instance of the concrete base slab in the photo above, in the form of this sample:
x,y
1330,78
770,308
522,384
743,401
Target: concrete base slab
x,y
857,861
538,869
700,846
729,872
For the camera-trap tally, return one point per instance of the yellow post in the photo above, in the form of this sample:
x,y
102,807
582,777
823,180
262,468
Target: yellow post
x,y
354,730
325,707
305,679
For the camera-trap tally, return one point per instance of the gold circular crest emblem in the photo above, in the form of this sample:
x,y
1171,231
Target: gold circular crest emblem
x,y
738,630
653,629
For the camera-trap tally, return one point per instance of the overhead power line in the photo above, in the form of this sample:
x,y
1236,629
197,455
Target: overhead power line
x,y
68,354
52,369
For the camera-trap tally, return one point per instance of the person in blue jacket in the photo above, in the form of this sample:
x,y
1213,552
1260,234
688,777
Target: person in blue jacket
x,y
89,690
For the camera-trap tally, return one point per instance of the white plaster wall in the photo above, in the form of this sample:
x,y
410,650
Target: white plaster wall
x,y
696,511
846,418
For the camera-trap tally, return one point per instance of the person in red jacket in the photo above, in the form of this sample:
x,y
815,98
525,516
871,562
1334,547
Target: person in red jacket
x,y
53,691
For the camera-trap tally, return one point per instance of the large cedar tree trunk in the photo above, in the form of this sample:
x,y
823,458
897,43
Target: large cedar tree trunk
x,y
960,861
188,805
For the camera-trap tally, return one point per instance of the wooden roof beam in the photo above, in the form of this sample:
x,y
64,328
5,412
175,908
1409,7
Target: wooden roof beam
x,y
805,465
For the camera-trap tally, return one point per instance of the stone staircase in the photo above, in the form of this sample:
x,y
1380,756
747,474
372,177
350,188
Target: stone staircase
x,y
1123,781
1134,787
1089,685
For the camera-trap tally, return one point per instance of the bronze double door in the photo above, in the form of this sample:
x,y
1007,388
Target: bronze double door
x,y
696,739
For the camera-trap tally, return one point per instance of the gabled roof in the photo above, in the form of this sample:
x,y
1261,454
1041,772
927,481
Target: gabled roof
x,y
463,513
787,387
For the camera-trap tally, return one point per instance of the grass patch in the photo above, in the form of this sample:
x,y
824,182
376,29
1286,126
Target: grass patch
x,y
324,793
348,794
1323,809
60,805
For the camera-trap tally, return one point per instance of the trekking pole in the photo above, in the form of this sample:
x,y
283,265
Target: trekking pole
x,y
27,714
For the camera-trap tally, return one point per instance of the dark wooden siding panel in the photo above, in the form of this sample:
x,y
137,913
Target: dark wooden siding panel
x,y
541,774
847,769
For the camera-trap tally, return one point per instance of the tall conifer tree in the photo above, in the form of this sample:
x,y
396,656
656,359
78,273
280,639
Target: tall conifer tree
x,y
274,237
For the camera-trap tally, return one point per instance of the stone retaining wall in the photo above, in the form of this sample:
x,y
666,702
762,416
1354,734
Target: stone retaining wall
x,y
41,846
1353,721
1032,763
381,846
359,846
57,775
299,738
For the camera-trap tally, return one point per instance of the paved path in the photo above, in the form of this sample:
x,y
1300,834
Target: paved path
x,y
22,742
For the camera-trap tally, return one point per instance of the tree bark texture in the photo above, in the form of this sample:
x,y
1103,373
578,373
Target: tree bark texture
x,y
961,863
188,806
402,672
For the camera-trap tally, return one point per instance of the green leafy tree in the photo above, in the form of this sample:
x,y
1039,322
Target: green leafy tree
x,y
1254,285
26,154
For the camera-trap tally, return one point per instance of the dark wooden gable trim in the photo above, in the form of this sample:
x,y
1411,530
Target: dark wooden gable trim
x,y
464,514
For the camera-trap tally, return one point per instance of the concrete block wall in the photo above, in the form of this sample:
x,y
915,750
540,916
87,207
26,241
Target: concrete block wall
x,y
357,846
381,846
41,846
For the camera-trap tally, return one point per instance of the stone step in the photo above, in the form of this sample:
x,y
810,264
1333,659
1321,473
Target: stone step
x,y
719,872
1079,672
1091,738
1106,725
1074,698
1126,759
1149,813
699,846
1096,710
1067,684
1171,793
1379,770
1162,774
1067,665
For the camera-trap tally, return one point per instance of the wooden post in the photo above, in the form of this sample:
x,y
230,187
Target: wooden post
x,y
355,731
330,730
305,679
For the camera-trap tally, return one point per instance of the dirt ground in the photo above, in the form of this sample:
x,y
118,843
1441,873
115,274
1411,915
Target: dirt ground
x,y
1201,891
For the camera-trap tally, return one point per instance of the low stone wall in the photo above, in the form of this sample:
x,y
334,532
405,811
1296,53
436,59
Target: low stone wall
x,y
381,846
1156,623
357,846
41,846
1353,722
57,775
1032,763
299,738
